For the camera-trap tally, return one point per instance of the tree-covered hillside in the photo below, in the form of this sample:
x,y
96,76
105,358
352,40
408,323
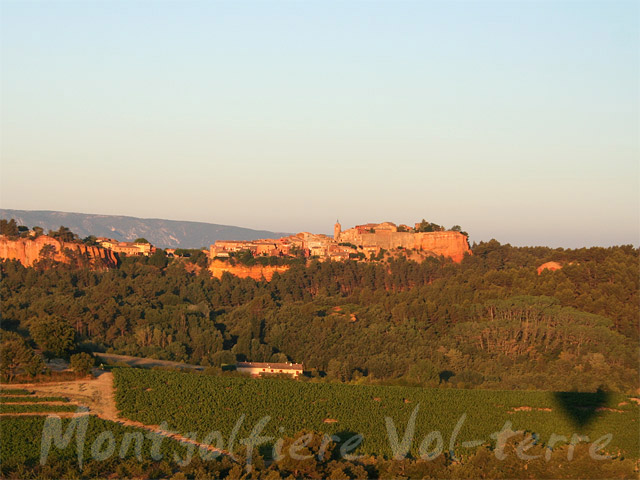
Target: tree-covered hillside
x,y
489,322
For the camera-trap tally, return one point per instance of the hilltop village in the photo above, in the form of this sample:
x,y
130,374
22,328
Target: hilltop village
x,y
254,258
360,242
139,247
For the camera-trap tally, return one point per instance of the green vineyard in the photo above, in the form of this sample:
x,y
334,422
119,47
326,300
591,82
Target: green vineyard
x,y
203,404
22,438
22,429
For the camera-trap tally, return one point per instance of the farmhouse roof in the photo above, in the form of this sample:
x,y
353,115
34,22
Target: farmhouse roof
x,y
279,366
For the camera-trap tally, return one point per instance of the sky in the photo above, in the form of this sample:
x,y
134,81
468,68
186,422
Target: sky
x,y
517,120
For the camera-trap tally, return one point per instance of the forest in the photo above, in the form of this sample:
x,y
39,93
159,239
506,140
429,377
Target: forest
x,y
489,322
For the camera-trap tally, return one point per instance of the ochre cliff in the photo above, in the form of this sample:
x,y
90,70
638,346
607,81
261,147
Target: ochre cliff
x,y
27,251
256,272
552,266
449,244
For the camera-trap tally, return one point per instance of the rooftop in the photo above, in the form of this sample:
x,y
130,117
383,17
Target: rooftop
x,y
279,366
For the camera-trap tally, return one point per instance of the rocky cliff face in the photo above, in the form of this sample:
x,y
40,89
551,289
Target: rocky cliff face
x,y
450,244
27,251
257,272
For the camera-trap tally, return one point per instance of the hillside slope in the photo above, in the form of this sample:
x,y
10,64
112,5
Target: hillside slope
x,y
162,233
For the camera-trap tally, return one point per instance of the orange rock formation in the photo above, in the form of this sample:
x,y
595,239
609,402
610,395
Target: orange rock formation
x,y
27,251
448,243
553,266
257,272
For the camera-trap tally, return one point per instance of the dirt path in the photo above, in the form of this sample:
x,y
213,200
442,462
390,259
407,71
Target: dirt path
x,y
97,394
145,362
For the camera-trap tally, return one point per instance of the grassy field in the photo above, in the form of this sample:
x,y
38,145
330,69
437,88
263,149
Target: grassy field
x,y
202,404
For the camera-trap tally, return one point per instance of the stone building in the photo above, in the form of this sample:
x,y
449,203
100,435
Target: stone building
x,y
128,248
337,228
257,369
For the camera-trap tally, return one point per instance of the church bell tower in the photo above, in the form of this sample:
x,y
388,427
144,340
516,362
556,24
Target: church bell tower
x,y
337,229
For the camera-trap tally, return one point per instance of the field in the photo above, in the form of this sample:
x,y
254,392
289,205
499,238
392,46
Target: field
x,y
21,429
199,403
22,401
22,438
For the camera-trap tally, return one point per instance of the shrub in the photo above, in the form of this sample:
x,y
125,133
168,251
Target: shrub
x,y
82,363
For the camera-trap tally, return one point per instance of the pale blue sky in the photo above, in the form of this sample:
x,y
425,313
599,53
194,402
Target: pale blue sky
x,y
516,120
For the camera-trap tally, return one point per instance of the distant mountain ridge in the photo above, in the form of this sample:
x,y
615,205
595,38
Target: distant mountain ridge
x,y
161,233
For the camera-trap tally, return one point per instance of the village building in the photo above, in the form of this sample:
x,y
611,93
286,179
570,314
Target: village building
x,y
341,252
127,248
257,369
258,248
362,240
231,245
317,248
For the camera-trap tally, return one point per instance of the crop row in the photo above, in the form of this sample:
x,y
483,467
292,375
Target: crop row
x,y
38,408
14,391
31,399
